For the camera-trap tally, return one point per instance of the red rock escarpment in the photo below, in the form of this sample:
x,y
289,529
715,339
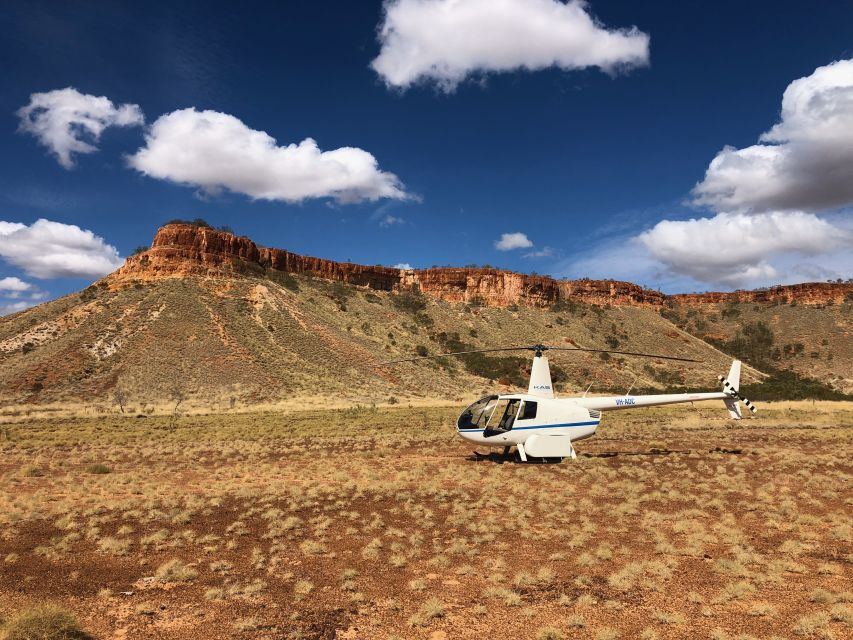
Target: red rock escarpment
x,y
182,249
807,293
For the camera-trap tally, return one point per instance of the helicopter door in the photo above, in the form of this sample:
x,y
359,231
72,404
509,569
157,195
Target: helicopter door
x,y
502,417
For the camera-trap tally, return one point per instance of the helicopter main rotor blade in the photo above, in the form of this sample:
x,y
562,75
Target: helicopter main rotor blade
x,y
624,353
538,348
453,353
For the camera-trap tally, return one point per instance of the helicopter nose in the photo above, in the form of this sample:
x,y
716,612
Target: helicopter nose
x,y
467,435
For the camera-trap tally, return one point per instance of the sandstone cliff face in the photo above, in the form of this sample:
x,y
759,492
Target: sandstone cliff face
x,y
809,293
183,250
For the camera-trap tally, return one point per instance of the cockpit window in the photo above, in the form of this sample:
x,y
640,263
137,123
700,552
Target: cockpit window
x,y
528,410
477,415
502,417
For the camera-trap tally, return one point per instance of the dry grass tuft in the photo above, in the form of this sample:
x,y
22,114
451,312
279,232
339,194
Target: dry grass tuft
x,y
98,469
429,611
175,571
550,633
812,624
44,622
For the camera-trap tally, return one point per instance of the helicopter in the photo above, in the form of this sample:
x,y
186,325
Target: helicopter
x,y
543,427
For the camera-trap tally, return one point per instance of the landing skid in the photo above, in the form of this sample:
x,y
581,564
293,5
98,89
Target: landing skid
x,y
514,456
502,457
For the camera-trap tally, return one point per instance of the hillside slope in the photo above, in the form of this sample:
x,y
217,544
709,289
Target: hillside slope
x,y
208,318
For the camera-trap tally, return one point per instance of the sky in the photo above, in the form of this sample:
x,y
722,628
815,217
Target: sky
x,y
684,145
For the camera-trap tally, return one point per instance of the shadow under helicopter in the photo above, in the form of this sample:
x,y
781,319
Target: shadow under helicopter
x,y
512,456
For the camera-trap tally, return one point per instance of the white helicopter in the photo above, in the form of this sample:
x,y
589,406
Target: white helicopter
x,y
543,427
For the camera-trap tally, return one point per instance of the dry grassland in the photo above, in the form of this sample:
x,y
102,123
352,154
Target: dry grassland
x,y
368,523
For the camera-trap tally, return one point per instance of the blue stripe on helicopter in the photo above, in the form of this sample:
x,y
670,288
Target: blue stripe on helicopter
x,y
541,426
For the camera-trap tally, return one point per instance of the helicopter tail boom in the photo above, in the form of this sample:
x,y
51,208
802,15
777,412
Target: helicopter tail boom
x,y
729,395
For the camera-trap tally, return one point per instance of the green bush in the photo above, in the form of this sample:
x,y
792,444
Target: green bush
x,y
409,301
283,278
788,385
568,306
508,370
88,294
752,344
196,222
340,293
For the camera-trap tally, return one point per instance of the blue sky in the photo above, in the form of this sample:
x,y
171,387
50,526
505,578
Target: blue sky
x,y
581,157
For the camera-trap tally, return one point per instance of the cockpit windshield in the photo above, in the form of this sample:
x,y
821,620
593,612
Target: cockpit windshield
x,y
477,415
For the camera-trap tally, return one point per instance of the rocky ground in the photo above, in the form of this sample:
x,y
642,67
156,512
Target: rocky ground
x,y
365,523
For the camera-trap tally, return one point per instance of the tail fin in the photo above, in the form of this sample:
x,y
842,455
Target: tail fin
x,y
734,376
731,387
734,408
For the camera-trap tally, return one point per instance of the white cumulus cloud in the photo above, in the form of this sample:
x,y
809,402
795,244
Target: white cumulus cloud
x,y
804,162
510,241
47,249
14,307
403,265
447,40
69,122
214,151
13,285
733,249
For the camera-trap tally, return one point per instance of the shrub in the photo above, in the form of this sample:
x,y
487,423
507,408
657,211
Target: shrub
x,y
509,369
196,222
421,351
788,385
175,571
98,469
283,278
44,622
431,609
753,344
340,293
730,311
409,301
424,320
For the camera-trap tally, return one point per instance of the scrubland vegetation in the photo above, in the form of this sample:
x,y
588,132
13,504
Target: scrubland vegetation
x,y
365,523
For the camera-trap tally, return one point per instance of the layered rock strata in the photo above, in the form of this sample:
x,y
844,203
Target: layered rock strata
x,y
186,250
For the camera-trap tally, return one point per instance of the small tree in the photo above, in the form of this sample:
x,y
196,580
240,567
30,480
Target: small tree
x,y
177,395
120,398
